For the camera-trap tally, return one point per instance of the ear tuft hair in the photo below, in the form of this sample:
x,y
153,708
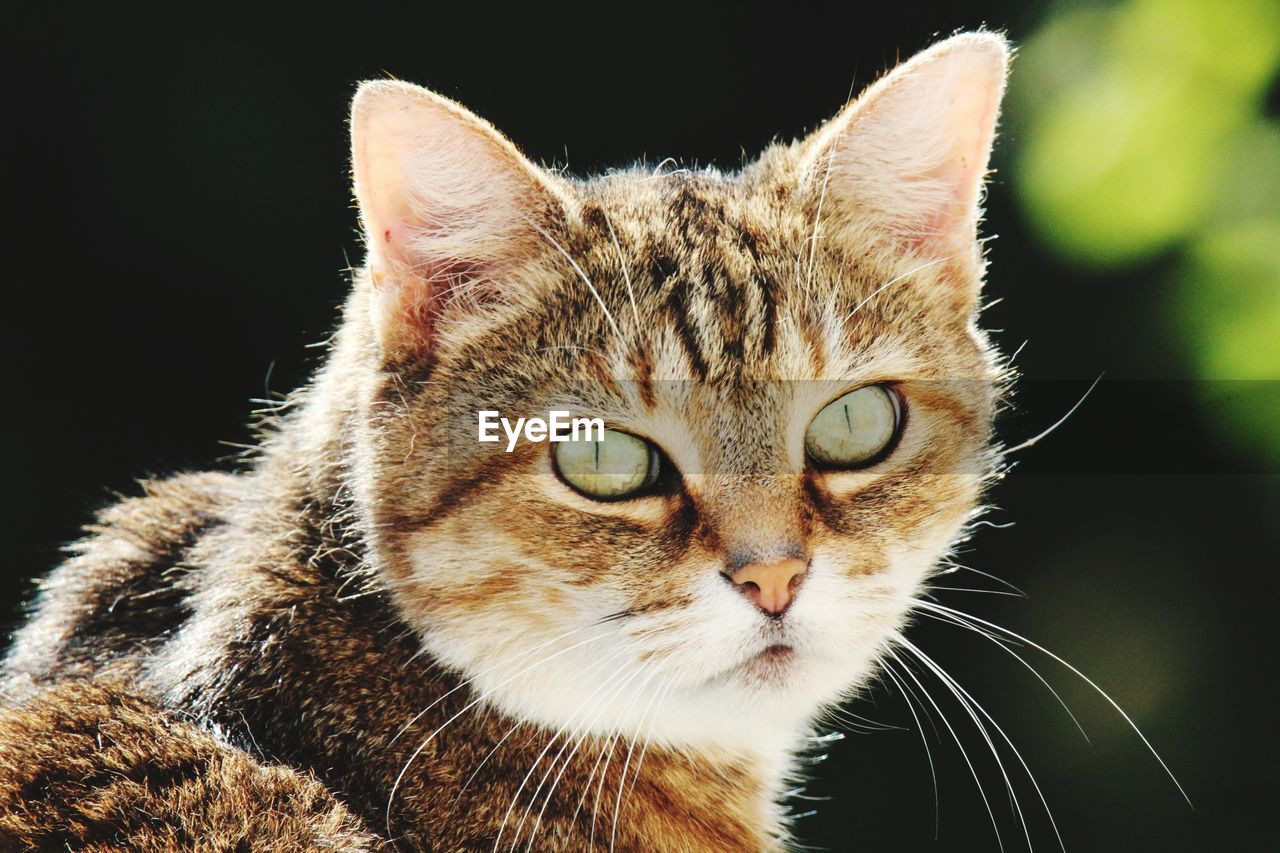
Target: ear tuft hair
x,y
448,204
908,159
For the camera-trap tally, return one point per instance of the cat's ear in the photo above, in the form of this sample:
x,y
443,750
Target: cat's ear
x,y
905,164
450,208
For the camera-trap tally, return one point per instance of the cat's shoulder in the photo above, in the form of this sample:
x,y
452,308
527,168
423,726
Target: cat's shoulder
x,y
95,765
120,588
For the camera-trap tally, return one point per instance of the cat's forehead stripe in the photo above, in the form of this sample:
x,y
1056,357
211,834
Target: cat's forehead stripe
x,y
698,265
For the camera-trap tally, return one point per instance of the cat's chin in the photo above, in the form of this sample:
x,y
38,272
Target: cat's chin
x,y
781,681
773,665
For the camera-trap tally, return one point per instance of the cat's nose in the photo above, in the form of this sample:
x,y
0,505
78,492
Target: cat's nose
x,y
770,586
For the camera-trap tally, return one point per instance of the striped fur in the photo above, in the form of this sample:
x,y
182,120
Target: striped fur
x,y
459,648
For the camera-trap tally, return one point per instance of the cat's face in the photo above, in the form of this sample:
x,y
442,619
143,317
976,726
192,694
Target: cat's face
x,y
742,573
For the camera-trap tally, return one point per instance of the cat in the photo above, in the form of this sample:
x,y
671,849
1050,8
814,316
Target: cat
x,y
383,633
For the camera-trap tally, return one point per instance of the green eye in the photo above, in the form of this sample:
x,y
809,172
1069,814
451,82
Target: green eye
x,y
618,467
855,430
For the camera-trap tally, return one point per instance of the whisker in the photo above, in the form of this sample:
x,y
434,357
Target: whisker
x,y
860,723
485,760
586,787
933,773
604,772
512,730
952,567
817,220
400,778
617,806
559,732
892,282
961,693
1008,650
524,653
583,275
963,752
584,729
639,689
933,588
1011,359
614,617
1114,705
644,749
1031,442
626,274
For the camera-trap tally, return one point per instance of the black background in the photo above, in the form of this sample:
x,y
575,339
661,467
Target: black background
x,y
180,224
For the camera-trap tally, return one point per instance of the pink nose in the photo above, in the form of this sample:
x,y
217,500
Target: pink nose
x,y
770,586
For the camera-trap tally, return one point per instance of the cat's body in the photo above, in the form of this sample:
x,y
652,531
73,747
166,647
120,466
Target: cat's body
x,y
294,667
464,651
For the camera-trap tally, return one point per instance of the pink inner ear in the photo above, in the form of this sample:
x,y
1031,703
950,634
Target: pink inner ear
x,y
916,147
425,252
972,117
938,230
446,204
422,296
414,293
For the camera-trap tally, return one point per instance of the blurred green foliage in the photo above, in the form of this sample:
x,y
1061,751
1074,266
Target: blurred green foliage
x,y
1228,306
1143,137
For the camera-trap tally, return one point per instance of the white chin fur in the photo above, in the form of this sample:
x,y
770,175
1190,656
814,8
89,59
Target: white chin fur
x,y
683,679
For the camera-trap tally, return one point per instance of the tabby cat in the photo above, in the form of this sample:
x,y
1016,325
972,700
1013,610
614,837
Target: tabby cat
x,y
384,633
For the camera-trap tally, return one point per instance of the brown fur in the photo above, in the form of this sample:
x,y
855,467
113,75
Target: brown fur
x,y
93,767
284,666
304,623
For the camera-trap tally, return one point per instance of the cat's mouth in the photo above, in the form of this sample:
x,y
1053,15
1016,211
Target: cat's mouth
x,y
777,652
772,663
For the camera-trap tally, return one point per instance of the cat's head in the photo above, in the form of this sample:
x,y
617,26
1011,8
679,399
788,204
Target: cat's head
x,y
787,358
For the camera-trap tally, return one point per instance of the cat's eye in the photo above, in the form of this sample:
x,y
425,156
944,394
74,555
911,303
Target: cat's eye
x,y
855,430
621,466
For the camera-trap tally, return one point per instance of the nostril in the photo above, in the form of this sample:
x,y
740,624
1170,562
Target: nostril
x,y
770,586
